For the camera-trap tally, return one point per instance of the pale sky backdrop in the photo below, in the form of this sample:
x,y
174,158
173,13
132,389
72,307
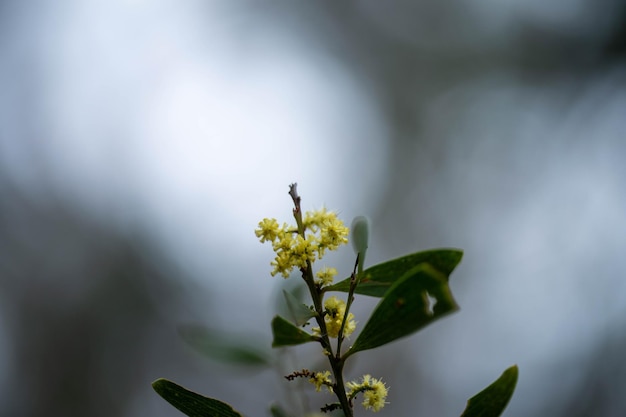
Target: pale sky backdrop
x,y
184,123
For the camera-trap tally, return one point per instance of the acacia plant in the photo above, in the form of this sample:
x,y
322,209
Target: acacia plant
x,y
413,292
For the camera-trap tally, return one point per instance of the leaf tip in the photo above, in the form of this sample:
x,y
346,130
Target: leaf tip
x,y
158,383
493,400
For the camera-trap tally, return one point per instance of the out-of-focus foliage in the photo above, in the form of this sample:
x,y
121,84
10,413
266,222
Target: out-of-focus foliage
x,y
500,123
81,307
492,401
414,292
190,403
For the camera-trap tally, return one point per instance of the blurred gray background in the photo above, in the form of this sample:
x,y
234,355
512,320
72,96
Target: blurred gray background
x,y
142,141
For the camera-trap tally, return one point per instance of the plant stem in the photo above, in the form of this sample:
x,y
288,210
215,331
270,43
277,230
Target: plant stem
x,y
336,363
353,283
337,366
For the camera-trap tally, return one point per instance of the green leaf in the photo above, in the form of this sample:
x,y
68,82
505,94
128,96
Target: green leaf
x,y
297,288
376,280
190,403
277,411
300,313
223,347
286,334
492,401
418,298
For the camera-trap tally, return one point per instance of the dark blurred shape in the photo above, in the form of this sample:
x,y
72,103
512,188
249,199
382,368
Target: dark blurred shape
x,y
83,310
616,44
235,350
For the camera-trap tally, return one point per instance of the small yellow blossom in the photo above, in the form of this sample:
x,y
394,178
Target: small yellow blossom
x,y
321,378
304,250
333,233
268,230
375,398
282,264
313,219
326,276
284,240
350,326
374,392
335,311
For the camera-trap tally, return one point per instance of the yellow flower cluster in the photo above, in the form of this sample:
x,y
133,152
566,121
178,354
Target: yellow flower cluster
x,y
321,378
335,311
294,250
374,392
326,276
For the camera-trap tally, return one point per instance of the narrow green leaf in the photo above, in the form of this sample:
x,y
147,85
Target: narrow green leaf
x,y
286,334
492,401
223,347
190,403
418,298
376,280
299,312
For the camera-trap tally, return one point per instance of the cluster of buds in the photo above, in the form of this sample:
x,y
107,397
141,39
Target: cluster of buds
x,y
374,392
335,312
296,249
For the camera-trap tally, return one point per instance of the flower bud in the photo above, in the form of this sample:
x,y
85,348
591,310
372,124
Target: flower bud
x,y
360,231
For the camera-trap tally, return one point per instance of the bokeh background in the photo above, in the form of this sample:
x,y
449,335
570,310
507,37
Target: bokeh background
x,y
141,142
